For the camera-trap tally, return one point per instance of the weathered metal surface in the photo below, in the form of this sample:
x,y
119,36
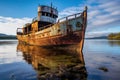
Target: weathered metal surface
x,y
69,31
47,14
47,9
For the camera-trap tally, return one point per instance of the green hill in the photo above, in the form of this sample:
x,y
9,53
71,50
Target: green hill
x,y
114,36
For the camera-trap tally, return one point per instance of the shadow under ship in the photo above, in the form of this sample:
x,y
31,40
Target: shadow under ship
x,y
45,31
52,64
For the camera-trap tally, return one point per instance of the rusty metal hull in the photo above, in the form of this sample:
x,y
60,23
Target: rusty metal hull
x,y
67,31
73,38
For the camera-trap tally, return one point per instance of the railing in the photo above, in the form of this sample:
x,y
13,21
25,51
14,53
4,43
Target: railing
x,y
63,19
34,19
41,28
69,17
19,31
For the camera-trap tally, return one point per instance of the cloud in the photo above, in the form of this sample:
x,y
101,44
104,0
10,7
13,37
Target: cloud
x,y
109,13
9,25
104,21
69,11
101,15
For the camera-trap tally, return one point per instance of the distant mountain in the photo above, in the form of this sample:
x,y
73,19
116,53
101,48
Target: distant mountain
x,y
99,37
5,36
1,34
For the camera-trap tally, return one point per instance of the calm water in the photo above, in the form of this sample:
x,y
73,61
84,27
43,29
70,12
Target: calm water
x,y
100,60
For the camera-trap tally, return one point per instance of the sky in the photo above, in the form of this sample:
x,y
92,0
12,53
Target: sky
x,y
103,15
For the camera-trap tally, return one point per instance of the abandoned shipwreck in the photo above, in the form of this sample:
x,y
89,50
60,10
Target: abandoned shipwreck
x,y
46,30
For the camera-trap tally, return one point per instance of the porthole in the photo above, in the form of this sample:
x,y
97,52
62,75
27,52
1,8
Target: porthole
x,y
78,24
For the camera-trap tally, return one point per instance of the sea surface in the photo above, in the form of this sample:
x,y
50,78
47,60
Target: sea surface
x,y
100,60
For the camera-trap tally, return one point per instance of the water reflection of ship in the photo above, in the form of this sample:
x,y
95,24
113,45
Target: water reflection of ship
x,y
60,65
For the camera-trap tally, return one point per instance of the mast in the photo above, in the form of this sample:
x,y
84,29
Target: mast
x,y
51,10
